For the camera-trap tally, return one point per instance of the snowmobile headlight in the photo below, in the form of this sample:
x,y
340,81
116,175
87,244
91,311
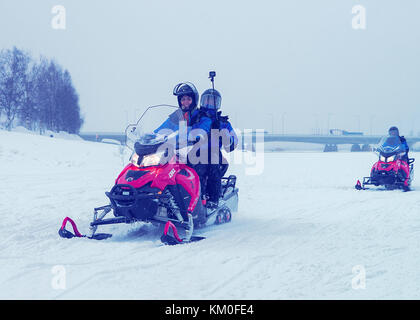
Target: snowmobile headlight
x,y
390,159
134,159
382,158
151,160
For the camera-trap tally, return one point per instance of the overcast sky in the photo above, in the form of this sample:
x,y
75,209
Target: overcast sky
x,y
294,62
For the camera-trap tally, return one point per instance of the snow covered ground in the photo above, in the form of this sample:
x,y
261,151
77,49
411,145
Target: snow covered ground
x,y
302,232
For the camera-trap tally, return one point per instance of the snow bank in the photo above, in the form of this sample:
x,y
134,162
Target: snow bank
x,y
48,133
302,232
416,146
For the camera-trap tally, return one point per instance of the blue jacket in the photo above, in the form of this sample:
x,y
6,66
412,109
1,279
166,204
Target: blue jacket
x,y
222,123
194,121
232,134
404,143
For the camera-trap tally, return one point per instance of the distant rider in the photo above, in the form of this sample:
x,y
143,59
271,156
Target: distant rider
x,y
393,131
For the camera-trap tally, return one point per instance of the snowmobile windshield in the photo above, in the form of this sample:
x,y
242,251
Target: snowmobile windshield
x,y
154,126
390,145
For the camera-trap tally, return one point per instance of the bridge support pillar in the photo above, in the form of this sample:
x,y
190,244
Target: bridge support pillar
x,y
249,141
366,148
330,148
355,148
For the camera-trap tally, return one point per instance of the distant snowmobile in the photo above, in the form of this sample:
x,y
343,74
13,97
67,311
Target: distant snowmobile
x,y
394,169
150,190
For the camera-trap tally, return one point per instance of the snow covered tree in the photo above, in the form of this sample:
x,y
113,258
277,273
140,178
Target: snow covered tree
x,y
28,113
57,99
37,95
13,73
68,100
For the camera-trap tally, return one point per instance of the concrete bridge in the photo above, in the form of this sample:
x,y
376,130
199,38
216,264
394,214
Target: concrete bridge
x,y
357,142
99,136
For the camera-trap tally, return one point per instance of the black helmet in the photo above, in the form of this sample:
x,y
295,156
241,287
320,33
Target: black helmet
x,y
211,99
186,89
393,131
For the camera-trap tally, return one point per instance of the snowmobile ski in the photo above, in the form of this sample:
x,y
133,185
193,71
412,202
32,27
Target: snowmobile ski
x,y
175,239
64,233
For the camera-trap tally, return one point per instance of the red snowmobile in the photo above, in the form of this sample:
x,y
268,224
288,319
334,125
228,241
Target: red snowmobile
x,y
394,169
157,187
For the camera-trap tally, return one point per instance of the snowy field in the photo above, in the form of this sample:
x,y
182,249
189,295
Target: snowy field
x,y
300,233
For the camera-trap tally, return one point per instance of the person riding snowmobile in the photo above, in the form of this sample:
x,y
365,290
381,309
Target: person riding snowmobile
x,y
217,165
188,96
393,131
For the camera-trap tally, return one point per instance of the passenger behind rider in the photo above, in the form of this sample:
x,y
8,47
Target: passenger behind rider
x,y
217,165
393,131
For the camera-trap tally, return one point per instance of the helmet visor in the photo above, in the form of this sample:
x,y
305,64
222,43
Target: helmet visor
x,y
210,101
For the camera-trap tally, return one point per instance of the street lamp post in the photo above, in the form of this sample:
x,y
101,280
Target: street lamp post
x,y
371,123
328,123
317,132
358,122
272,122
282,122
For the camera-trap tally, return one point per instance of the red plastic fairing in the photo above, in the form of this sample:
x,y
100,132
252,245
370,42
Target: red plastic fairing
x,y
162,176
191,183
393,166
138,183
